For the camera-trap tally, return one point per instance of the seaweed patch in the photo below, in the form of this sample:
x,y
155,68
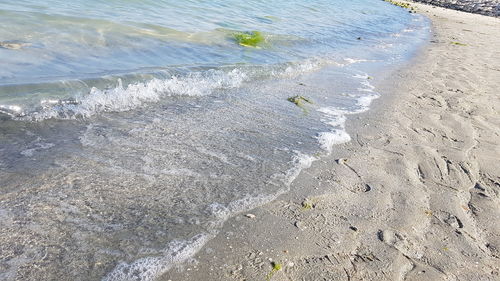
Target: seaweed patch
x,y
402,5
300,101
276,267
249,39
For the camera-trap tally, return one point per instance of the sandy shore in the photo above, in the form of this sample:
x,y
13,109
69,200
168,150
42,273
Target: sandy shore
x,y
415,195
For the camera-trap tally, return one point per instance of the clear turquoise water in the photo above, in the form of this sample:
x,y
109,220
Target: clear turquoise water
x,y
131,130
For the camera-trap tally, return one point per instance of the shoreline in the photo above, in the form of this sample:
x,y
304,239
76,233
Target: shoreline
x,y
417,197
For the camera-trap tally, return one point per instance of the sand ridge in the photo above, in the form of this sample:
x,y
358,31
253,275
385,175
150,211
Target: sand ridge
x,y
414,196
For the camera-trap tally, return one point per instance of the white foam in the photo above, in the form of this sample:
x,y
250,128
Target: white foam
x,y
334,120
219,211
299,162
367,87
361,76
11,110
352,61
150,268
305,66
333,111
134,95
336,117
328,139
365,101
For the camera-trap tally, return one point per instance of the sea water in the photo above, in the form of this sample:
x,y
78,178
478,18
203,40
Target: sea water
x,y
131,130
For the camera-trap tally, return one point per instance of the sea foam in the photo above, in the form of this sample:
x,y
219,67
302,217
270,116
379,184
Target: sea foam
x,y
150,268
336,117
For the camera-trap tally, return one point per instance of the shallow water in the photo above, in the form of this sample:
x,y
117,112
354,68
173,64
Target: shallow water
x,y
131,130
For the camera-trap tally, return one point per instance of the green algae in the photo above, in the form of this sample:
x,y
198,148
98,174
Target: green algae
x,y
307,204
276,267
400,4
458,43
300,101
249,39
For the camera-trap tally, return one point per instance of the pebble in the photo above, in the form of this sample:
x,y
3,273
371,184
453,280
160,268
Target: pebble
x,y
250,216
300,225
341,160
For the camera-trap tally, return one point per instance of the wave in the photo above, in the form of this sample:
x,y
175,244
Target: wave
x,y
127,97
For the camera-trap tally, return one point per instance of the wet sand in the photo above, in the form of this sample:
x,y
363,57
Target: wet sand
x,y
414,196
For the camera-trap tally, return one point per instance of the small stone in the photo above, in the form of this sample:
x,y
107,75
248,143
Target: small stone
x,y
290,264
341,161
300,225
250,216
454,222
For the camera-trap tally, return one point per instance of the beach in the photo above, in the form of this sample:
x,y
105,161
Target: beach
x,y
415,195
249,140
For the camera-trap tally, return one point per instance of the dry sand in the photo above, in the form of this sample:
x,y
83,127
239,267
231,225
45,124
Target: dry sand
x,y
418,194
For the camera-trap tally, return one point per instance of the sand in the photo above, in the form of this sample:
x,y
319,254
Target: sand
x,y
414,196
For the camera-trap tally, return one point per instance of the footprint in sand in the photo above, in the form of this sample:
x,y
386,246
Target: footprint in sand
x,y
401,243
